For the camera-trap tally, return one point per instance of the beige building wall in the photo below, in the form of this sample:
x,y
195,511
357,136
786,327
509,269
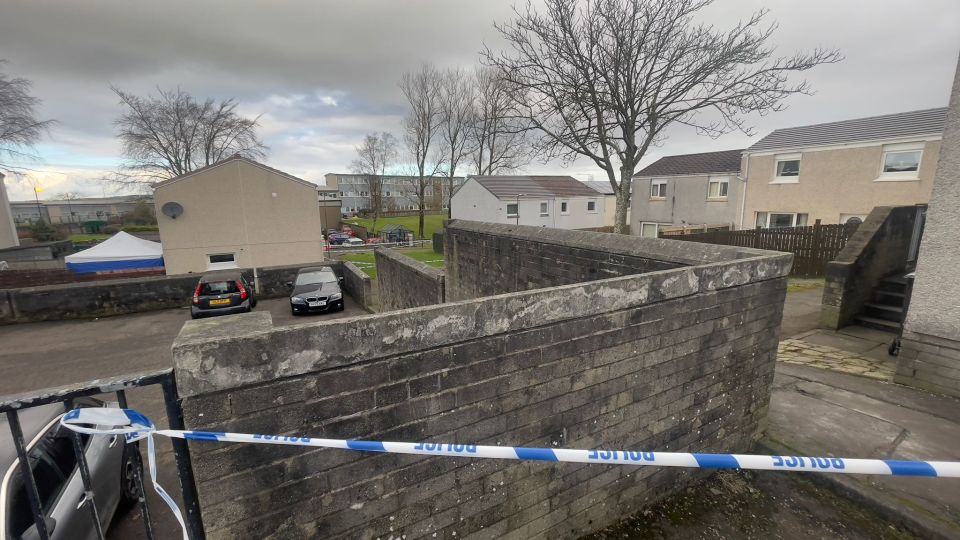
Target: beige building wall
x,y
8,230
262,217
834,182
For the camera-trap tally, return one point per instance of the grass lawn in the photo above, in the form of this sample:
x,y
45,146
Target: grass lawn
x,y
804,284
87,237
365,261
431,224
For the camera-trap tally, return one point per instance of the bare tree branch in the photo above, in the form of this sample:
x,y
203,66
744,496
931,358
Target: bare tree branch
x,y
375,154
172,134
421,127
19,127
498,136
603,79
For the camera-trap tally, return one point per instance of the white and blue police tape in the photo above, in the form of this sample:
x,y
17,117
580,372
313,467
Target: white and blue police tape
x,y
136,426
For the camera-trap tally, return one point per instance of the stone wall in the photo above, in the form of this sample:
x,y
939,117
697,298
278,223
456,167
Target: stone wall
x,y
134,295
486,258
406,283
676,360
930,348
879,248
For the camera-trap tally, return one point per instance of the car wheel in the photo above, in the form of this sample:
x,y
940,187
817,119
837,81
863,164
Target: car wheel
x,y
129,492
293,312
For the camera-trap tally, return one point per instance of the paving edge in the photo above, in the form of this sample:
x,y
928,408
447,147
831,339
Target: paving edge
x,y
889,507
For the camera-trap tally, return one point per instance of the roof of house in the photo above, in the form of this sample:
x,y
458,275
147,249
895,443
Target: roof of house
x,y
600,186
231,159
509,187
887,126
724,161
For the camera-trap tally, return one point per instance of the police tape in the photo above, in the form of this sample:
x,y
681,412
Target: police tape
x,y
135,426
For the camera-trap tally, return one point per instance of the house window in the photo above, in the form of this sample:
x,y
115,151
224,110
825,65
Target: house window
x,y
787,169
513,210
544,208
221,258
221,261
591,207
773,220
717,187
658,188
564,209
650,230
901,161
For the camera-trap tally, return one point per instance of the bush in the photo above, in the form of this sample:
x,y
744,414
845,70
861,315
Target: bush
x,y
44,232
142,214
141,228
111,229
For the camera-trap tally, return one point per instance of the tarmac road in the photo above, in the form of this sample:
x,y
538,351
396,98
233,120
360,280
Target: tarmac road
x,y
42,355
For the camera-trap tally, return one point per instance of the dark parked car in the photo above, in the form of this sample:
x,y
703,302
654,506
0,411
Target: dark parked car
x,y
315,289
222,293
338,239
112,467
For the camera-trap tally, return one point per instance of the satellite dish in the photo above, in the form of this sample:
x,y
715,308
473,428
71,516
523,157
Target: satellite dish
x,y
172,209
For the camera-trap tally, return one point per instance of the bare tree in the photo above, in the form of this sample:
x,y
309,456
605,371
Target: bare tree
x,y
498,137
421,127
375,154
19,127
173,133
602,79
456,119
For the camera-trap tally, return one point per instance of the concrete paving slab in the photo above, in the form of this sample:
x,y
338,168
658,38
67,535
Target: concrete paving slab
x,y
840,341
869,334
816,411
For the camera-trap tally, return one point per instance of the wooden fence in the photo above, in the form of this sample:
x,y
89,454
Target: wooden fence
x,y
812,247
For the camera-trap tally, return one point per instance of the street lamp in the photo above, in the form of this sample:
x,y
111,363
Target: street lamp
x,y
36,196
518,207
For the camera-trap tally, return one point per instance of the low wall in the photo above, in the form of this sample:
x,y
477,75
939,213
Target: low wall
x,y
406,283
680,360
878,248
487,258
133,295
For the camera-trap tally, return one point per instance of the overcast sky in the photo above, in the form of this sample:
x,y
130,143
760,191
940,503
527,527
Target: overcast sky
x,y
324,73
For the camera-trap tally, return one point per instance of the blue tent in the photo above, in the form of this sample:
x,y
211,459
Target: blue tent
x,y
121,252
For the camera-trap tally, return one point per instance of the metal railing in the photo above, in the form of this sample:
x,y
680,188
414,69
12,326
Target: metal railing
x,y
12,405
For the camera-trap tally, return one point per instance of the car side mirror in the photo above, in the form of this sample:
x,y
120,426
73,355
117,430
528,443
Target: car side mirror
x,y
32,534
289,284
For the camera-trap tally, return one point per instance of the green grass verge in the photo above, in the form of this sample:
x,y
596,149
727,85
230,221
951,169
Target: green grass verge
x,y
431,224
87,237
366,261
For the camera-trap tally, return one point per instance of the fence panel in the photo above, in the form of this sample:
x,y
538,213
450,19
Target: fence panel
x,y
812,246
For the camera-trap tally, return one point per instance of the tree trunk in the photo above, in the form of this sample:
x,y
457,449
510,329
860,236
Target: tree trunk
x,y
620,225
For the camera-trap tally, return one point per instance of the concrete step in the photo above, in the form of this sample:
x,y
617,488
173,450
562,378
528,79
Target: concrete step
x,y
885,307
879,324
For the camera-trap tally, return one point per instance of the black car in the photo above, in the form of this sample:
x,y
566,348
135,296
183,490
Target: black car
x,y
222,293
315,289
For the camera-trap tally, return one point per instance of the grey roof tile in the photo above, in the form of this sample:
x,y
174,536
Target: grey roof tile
x,y
508,187
724,161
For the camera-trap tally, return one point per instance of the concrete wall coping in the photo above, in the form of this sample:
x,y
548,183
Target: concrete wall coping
x,y
411,263
218,354
675,251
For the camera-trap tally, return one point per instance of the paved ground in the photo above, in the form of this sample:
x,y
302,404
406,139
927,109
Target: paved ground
x,y
802,352
43,355
801,312
819,412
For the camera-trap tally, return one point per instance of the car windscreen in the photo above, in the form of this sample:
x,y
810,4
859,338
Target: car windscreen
x,y
218,287
313,278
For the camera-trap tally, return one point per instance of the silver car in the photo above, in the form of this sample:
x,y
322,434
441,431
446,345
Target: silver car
x,y
53,460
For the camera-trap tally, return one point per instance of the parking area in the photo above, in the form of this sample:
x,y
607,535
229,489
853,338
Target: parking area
x,y
48,354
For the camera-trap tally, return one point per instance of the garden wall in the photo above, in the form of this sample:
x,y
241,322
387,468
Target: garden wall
x,y
406,283
679,359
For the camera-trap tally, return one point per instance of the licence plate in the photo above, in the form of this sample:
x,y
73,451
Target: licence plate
x,y
220,302
316,304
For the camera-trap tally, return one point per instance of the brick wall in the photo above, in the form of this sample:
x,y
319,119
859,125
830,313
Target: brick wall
x,y
406,283
672,360
485,259
879,248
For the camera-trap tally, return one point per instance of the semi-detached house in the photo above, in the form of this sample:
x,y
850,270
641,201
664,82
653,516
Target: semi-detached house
x,y
839,171
561,202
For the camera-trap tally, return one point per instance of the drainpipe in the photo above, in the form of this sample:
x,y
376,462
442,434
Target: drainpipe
x,y
743,187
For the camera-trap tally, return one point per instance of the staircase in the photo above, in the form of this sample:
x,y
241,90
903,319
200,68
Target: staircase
x,y
884,310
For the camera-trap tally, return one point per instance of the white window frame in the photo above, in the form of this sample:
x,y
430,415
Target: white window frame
x,y
544,208
594,203
718,180
656,225
776,166
564,208
656,182
516,207
795,218
905,176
